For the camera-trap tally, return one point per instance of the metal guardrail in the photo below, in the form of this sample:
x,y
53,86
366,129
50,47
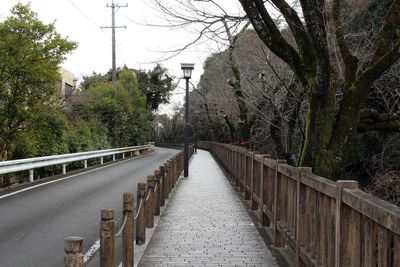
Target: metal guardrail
x,y
30,164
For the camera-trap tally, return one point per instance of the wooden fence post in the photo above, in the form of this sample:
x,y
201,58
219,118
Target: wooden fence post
x,y
150,202
127,232
162,186
141,216
345,249
255,178
157,193
73,247
174,169
279,239
166,178
107,238
301,202
263,219
171,174
237,168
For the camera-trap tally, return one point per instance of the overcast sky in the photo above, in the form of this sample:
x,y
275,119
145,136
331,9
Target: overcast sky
x,y
136,46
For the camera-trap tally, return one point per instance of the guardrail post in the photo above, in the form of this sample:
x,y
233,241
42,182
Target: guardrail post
x,y
123,155
107,238
162,186
85,164
150,202
141,217
73,247
114,157
157,193
31,177
127,232
102,160
64,168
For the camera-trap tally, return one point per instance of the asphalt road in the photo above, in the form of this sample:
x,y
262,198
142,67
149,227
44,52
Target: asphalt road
x,y
34,223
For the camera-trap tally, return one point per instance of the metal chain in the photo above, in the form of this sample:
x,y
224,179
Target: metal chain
x,y
138,212
155,189
123,226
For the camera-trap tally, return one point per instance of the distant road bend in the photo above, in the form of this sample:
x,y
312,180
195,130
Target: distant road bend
x,y
34,223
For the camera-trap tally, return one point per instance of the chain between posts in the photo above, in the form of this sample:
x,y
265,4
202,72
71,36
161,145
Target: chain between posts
x,y
155,189
122,226
139,209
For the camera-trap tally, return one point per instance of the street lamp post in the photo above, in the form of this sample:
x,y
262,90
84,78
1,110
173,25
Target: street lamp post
x,y
187,73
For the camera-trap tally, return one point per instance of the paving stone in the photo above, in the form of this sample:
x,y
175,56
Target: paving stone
x,y
206,224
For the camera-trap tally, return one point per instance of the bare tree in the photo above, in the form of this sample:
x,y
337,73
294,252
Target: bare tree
x,y
330,125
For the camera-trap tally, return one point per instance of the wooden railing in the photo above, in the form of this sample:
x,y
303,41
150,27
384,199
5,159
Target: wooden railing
x,y
150,196
326,223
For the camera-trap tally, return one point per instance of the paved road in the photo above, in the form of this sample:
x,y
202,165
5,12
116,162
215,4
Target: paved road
x,y
206,224
33,224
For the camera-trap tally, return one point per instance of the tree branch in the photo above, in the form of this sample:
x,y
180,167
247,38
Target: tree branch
x,y
388,32
314,18
378,126
271,36
350,61
297,28
373,114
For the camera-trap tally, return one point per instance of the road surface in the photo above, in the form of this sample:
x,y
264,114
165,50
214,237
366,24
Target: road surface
x,y
34,223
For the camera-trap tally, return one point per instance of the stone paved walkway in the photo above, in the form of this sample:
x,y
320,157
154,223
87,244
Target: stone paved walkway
x,y
206,224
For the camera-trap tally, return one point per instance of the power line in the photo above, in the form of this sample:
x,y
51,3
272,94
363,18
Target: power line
x,y
83,13
113,27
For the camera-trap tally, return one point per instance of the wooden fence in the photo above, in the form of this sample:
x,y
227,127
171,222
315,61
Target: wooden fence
x,y
150,196
326,223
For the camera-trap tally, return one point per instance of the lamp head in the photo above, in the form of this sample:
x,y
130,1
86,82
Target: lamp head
x,y
187,70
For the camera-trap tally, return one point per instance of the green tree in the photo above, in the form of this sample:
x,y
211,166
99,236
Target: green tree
x,y
122,111
94,78
30,54
156,84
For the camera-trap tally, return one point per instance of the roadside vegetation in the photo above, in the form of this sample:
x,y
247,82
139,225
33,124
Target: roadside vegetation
x,y
35,122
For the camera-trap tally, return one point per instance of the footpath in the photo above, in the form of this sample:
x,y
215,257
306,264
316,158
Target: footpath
x,y
206,224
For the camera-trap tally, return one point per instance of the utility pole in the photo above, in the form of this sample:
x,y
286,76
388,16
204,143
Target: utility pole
x,y
113,27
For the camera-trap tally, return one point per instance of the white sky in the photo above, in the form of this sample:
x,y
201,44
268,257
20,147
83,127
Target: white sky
x,y
136,45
